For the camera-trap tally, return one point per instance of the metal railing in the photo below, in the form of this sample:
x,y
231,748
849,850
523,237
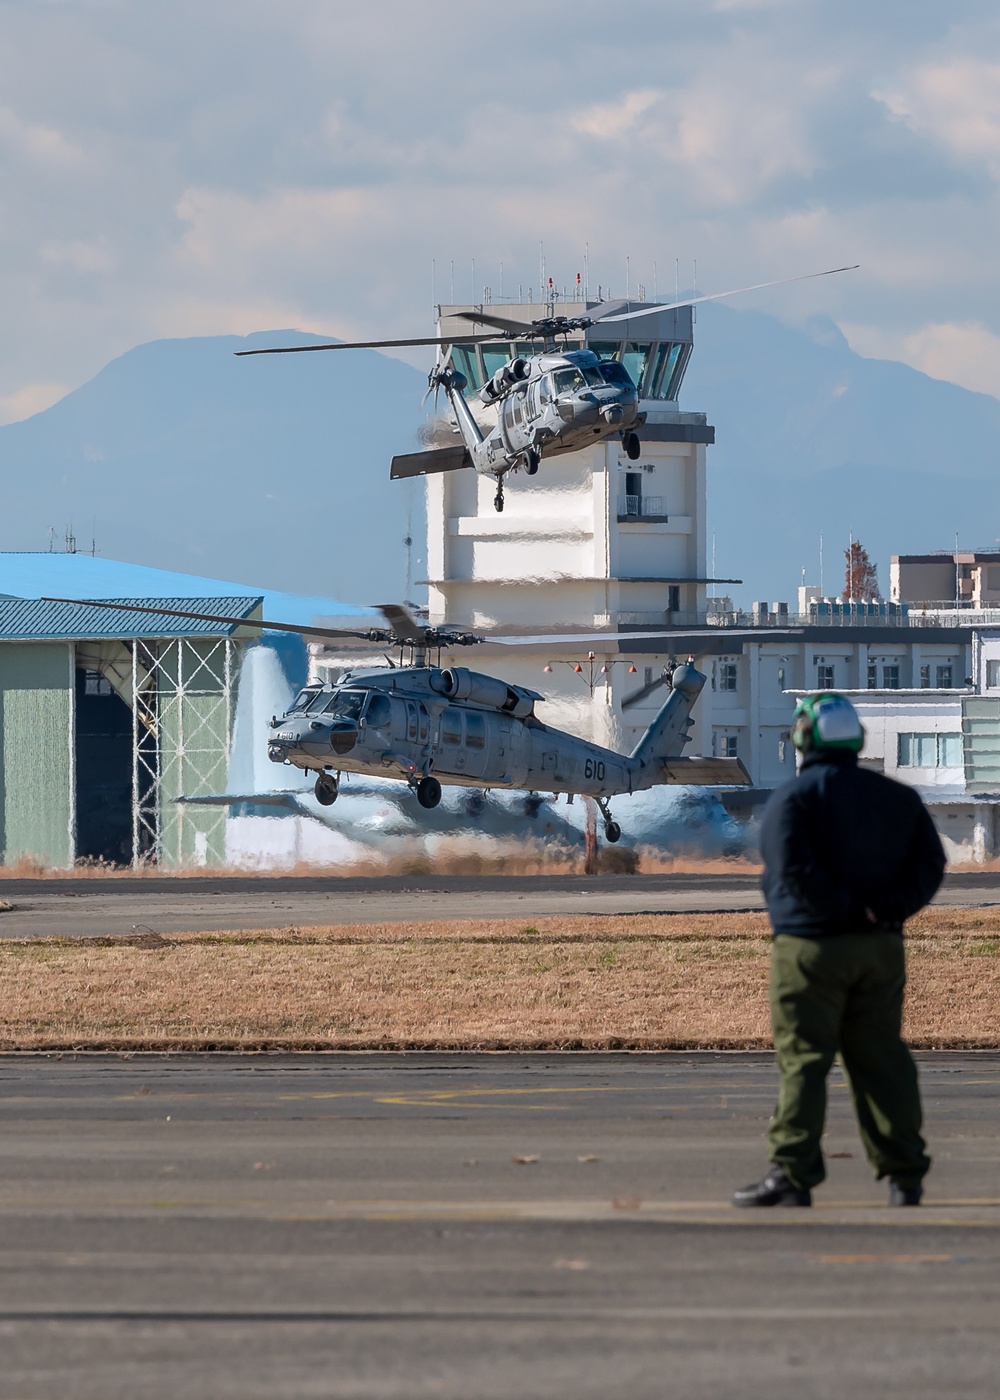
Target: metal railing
x,y
635,507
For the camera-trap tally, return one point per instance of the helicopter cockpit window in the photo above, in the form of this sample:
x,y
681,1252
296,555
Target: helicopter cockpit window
x,y
379,712
568,381
616,374
345,704
545,390
302,700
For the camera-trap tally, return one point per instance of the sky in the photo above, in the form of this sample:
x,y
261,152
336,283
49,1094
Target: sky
x,y
226,167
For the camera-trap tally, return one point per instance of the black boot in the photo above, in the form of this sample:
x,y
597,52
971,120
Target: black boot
x,y
774,1190
905,1195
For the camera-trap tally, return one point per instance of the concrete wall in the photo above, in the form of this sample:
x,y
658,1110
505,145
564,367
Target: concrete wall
x,y
36,752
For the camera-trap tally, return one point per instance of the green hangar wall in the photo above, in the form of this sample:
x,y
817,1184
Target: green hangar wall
x,y
106,719
36,752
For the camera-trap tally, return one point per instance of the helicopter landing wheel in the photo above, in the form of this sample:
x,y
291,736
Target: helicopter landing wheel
x,y
498,500
612,832
633,447
327,790
428,792
531,461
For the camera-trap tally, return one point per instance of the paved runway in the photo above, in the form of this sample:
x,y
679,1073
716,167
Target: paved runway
x,y
491,1226
43,908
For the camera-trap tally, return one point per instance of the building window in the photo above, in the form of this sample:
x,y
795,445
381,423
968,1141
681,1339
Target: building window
x,y
96,684
782,750
925,678
781,677
872,676
890,677
824,676
647,675
673,597
727,675
993,675
944,678
728,742
929,750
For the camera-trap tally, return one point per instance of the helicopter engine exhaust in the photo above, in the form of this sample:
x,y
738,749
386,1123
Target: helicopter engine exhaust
x,y
459,683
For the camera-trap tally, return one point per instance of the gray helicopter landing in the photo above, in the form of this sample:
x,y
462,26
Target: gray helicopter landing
x,y
560,400
429,726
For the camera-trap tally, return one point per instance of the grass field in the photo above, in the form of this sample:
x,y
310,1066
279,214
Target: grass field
x,y
647,982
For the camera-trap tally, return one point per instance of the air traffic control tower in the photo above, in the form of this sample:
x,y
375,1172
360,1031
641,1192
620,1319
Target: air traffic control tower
x,y
594,540
601,540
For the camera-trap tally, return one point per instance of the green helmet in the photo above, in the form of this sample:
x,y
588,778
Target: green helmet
x,y
827,722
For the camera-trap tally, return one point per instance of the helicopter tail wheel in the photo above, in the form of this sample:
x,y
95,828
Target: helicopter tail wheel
x,y
633,447
612,831
327,790
428,792
531,461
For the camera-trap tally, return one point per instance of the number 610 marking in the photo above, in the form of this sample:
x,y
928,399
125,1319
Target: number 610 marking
x,y
594,768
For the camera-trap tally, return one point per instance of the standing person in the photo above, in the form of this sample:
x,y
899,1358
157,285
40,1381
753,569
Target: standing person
x,y
849,855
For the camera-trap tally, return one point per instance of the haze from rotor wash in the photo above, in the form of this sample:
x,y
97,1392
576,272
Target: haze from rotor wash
x,y
376,822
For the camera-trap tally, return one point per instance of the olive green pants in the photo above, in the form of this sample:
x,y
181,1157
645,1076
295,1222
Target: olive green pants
x,y
844,994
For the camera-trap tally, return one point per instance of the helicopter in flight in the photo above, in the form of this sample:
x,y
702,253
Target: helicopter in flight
x,y
557,401
431,726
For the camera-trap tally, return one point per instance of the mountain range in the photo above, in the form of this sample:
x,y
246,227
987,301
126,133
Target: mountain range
x,y
273,470
813,439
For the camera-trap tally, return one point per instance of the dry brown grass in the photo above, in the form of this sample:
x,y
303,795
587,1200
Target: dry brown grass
x,y
643,982
525,859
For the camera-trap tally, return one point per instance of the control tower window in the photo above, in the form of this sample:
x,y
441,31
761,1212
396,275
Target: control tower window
x,y
494,358
634,359
466,361
663,371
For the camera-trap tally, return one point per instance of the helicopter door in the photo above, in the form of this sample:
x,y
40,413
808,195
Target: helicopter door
x,y
452,748
475,743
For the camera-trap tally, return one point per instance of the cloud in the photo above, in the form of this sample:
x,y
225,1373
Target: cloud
x,y
30,399
955,103
966,353
305,164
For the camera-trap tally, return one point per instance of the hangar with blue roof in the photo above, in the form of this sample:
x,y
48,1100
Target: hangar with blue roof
x,y
107,717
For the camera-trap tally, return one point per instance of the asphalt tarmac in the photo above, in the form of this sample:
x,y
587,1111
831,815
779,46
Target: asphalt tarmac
x,y
88,907
477,1226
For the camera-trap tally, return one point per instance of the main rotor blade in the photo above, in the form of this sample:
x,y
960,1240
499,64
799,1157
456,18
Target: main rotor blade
x,y
521,328
554,637
716,296
401,620
215,617
365,345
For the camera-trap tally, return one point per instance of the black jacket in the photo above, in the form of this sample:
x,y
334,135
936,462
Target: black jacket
x,y
839,840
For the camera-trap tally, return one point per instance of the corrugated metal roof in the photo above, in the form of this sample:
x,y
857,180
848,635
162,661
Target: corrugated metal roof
x,y
28,619
33,573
